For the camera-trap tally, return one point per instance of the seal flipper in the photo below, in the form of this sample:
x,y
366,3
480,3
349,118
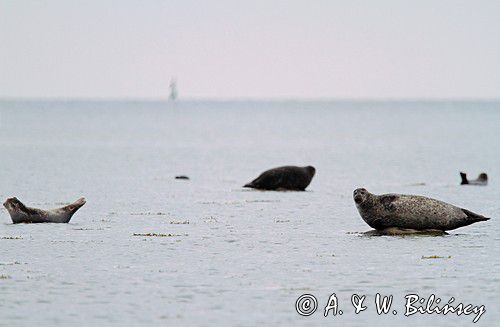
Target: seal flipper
x,y
473,217
75,205
464,178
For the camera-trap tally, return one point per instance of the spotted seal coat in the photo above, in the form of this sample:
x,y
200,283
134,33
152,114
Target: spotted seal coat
x,y
284,178
23,214
411,212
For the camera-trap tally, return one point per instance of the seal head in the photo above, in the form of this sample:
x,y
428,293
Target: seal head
x,y
311,170
13,205
360,195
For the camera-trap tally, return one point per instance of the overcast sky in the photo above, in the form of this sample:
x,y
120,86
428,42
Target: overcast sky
x,y
250,49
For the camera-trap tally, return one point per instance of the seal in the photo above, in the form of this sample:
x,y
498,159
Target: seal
x,y
23,214
482,179
412,212
291,178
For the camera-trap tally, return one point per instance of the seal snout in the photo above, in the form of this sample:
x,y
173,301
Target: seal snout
x,y
359,195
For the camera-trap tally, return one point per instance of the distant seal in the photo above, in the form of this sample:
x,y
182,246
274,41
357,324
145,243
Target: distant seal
x,y
23,214
482,179
411,212
284,178
181,177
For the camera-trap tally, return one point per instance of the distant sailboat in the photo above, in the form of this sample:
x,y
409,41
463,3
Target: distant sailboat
x,y
173,90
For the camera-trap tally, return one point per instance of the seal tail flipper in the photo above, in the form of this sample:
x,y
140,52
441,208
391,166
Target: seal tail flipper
x,y
464,178
474,217
249,185
76,205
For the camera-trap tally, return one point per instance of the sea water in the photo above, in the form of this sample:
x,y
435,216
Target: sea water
x,y
147,248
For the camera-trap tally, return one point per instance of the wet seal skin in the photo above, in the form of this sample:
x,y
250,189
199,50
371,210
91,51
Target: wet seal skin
x,y
23,214
291,178
390,212
481,180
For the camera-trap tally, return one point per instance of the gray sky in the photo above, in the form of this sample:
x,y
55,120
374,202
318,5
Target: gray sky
x,y
257,48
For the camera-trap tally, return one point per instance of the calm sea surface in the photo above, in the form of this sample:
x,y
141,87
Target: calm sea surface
x,y
233,256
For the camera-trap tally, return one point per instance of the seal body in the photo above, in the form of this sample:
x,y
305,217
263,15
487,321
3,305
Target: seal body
x,y
482,179
22,214
284,178
411,212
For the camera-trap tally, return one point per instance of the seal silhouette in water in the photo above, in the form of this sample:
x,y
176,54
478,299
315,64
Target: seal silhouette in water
x,y
482,179
411,212
23,214
284,178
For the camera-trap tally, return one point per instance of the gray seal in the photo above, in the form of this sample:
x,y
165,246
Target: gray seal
x,y
23,214
482,179
291,178
412,212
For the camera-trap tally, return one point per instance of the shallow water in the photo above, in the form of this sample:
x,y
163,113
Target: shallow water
x,y
236,256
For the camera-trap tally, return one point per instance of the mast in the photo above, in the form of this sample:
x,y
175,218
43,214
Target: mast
x,y
173,90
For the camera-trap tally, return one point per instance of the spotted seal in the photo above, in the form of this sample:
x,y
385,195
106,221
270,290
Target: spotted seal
x,y
482,179
411,212
284,178
23,214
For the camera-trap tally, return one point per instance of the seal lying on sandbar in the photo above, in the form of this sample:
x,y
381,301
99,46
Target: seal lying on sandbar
x,y
23,214
284,178
482,179
411,212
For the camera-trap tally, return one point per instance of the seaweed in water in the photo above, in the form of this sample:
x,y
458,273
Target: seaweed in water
x,y
186,222
158,235
436,257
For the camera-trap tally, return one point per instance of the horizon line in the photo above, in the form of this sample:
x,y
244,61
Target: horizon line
x,y
249,99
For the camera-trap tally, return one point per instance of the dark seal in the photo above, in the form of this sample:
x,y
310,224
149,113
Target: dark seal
x,y
23,214
284,178
482,179
411,212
